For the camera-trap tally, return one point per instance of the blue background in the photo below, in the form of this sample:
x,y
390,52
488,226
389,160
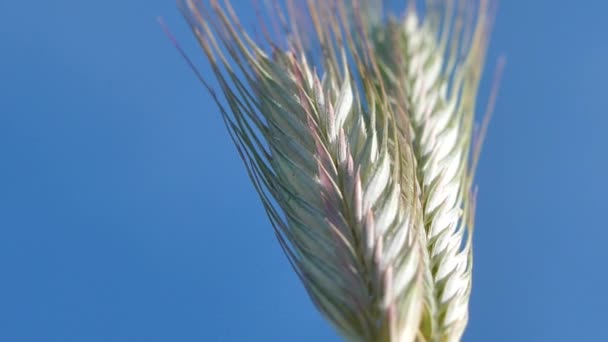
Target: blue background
x,y
126,215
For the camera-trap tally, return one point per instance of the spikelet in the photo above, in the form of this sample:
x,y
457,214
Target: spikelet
x,y
361,160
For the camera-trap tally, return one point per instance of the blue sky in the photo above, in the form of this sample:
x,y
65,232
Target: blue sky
x,y
126,215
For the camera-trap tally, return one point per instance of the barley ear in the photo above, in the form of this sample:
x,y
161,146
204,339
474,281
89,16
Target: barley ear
x,y
362,158
331,174
435,65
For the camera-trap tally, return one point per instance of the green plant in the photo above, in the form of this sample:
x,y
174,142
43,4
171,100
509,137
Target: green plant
x,y
364,160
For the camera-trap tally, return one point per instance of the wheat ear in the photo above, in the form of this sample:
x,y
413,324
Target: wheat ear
x,y
362,159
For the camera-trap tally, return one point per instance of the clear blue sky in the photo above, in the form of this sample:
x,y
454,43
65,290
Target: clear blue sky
x,y
126,215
